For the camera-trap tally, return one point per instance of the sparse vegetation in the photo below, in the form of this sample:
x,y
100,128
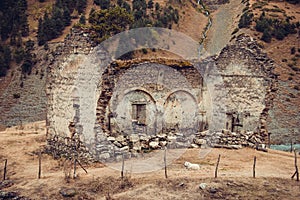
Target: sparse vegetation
x,y
276,28
13,19
293,50
52,24
107,22
246,19
5,58
293,1
114,18
259,4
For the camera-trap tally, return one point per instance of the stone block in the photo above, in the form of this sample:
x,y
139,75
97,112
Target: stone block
x,y
154,145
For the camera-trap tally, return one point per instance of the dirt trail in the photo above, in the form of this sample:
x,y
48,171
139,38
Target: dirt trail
x,y
224,21
273,172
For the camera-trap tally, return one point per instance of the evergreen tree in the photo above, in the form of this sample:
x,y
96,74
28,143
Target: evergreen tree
x,y
67,17
104,4
5,59
150,4
157,7
82,19
109,22
25,28
81,5
266,36
41,34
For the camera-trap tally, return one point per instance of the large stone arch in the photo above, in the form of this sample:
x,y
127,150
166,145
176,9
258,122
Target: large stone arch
x,y
141,90
117,69
134,114
181,112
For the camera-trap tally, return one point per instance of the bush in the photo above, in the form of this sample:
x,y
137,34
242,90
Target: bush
x,y
235,31
276,28
27,66
5,59
145,51
266,37
104,4
245,20
16,96
293,50
82,19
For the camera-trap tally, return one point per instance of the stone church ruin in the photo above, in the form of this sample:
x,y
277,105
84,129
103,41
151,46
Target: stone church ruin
x,y
139,105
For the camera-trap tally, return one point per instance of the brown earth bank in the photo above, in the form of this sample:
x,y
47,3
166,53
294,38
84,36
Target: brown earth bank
x,y
20,145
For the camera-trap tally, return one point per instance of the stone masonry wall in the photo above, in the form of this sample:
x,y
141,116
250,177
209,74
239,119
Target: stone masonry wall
x,y
233,91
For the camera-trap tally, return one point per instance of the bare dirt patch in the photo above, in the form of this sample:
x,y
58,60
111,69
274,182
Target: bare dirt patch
x,y
234,181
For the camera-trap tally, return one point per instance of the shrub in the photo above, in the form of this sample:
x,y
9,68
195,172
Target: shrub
x,y
276,28
245,20
293,50
145,51
16,96
104,4
266,37
235,31
82,19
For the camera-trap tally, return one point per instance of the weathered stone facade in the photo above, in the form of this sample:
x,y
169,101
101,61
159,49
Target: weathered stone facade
x,y
139,105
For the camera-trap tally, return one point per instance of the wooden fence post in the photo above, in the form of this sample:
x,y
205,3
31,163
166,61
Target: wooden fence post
x,y
165,161
40,165
254,163
74,174
122,172
216,171
5,167
296,167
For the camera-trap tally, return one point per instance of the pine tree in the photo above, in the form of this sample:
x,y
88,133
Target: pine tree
x,y
82,19
150,4
67,17
25,28
41,34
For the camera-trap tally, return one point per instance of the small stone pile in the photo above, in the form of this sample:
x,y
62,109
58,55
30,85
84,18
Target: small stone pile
x,y
228,139
67,147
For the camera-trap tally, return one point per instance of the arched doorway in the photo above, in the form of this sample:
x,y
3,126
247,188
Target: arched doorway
x,y
180,113
135,114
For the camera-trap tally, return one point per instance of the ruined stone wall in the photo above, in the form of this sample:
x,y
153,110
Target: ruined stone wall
x,y
158,82
62,74
245,92
230,91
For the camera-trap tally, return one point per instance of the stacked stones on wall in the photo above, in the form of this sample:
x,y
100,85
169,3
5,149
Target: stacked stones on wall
x,y
227,139
140,105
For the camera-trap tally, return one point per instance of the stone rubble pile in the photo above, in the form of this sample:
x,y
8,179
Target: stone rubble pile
x,y
228,139
132,145
222,139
